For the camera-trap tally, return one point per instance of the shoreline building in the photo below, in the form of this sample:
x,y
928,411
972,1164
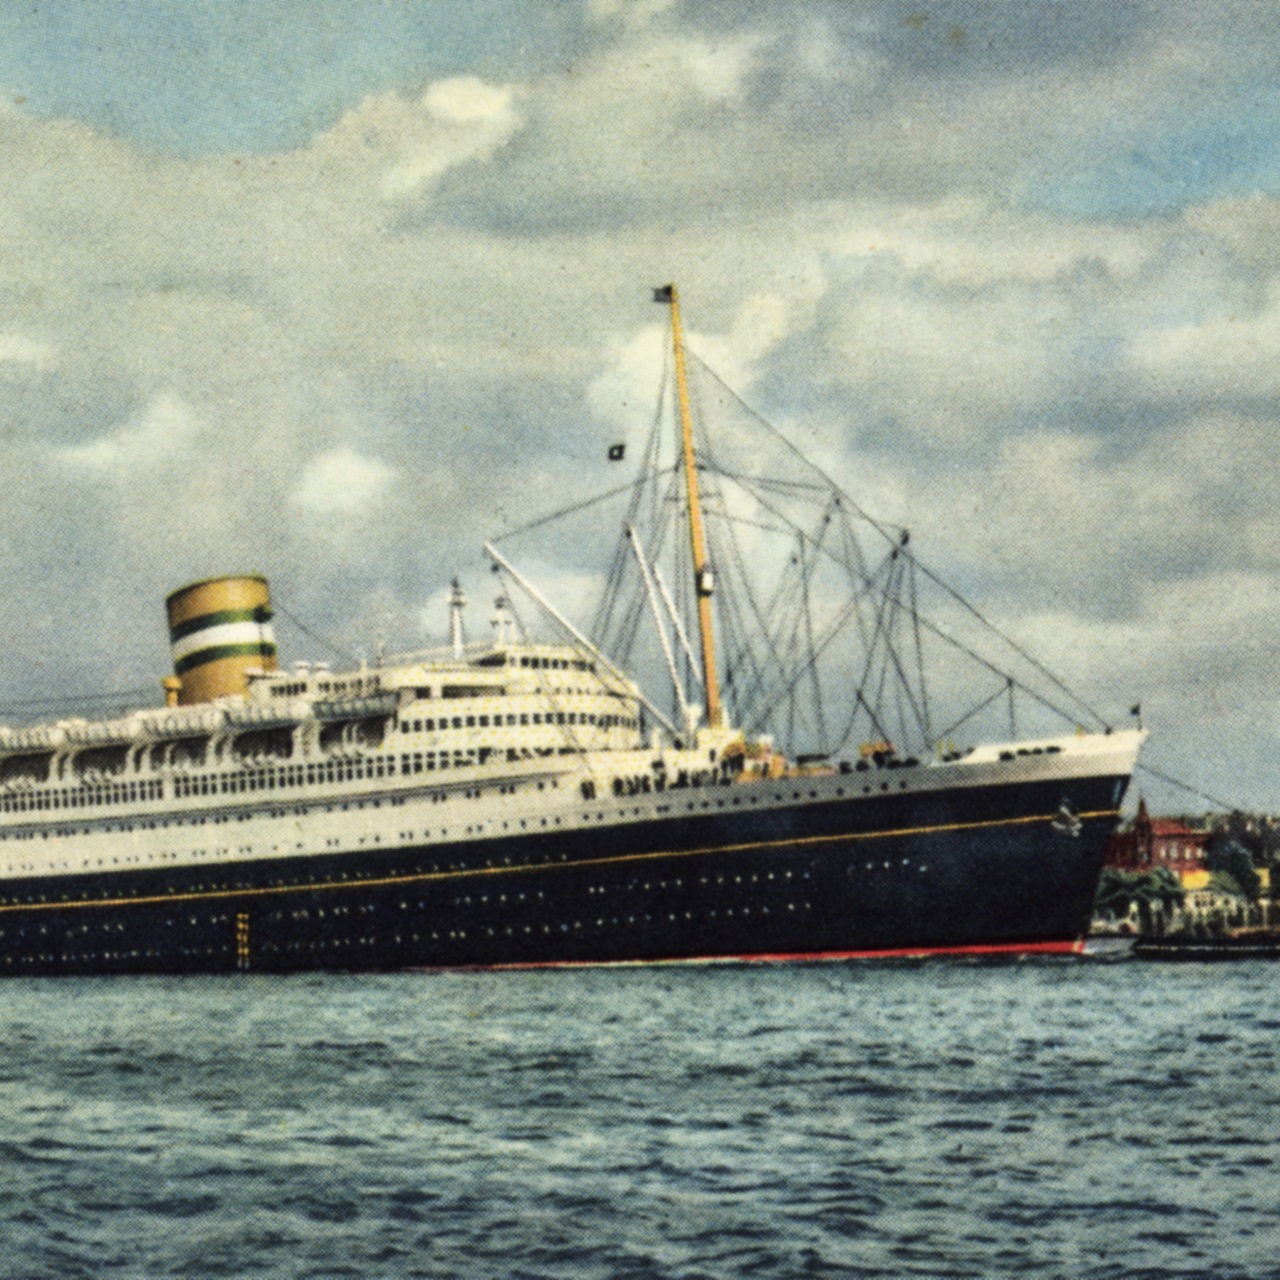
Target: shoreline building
x,y
1147,843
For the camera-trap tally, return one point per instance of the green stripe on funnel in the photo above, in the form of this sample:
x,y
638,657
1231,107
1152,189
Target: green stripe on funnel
x,y
217,651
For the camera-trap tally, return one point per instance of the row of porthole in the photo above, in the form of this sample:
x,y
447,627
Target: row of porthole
x,y
304,913
82,958
369,941
108,926
690,807
453,935
335,842
324,944
547,930
633,886
151,953
330,805
694,806
143,824
43,930
156,824
84,797
242,885
436,868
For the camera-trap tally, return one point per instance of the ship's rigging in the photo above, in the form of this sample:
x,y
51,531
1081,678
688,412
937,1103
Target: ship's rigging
x,y
826,639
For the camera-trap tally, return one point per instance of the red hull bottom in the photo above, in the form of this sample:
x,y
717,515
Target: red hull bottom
x,y
1073,947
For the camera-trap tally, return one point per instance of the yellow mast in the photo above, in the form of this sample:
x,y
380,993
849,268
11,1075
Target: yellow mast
x,y
697,538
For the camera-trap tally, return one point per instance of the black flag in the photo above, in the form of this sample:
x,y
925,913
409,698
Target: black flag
x,y
616,452
662,294
1136,709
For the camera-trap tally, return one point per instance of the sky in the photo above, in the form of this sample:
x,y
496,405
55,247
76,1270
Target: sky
x,y
333,291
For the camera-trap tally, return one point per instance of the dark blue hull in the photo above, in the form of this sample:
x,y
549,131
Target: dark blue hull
x,y
976,868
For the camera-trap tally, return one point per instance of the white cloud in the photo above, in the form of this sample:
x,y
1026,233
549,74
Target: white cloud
x,y
17,349
967,241
163,431
625,392
633,13
759,324
466,99
1068,521
1227,357
719,70
472,120
342,482
947,365
836,63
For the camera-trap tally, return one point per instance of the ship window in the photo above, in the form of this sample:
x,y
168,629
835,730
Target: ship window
x,y
484,722
471,722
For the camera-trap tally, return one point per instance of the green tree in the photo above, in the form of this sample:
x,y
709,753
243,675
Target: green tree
x,y
1115,893
1157,893
1232,858
1165,889
1239,830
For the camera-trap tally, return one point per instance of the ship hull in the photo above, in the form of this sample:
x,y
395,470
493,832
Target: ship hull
x,y
984,869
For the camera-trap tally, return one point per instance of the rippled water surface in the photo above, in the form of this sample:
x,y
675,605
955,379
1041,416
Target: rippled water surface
x,y
1082,1118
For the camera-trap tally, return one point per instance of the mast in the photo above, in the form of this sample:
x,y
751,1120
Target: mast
x,y
457,602
697,538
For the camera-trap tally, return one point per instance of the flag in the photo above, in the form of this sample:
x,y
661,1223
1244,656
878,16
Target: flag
x,y
662,293
616,452
1136,709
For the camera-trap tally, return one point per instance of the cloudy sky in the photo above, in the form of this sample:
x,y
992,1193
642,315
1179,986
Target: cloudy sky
x,y
332,290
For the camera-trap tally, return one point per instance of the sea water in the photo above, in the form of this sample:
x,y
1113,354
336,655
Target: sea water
x,y
1074,1118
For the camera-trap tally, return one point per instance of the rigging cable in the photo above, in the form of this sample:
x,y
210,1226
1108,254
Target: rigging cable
x,y
915,620
62,703
1185,786
884,531
280,610
968,715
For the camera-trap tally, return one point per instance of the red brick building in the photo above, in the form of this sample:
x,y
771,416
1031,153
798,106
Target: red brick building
x,y
1147,843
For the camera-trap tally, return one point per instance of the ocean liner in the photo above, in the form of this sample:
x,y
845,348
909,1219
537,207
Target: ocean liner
x,y
521,801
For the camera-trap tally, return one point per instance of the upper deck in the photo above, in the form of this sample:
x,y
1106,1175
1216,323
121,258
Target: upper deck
x,y
490,710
